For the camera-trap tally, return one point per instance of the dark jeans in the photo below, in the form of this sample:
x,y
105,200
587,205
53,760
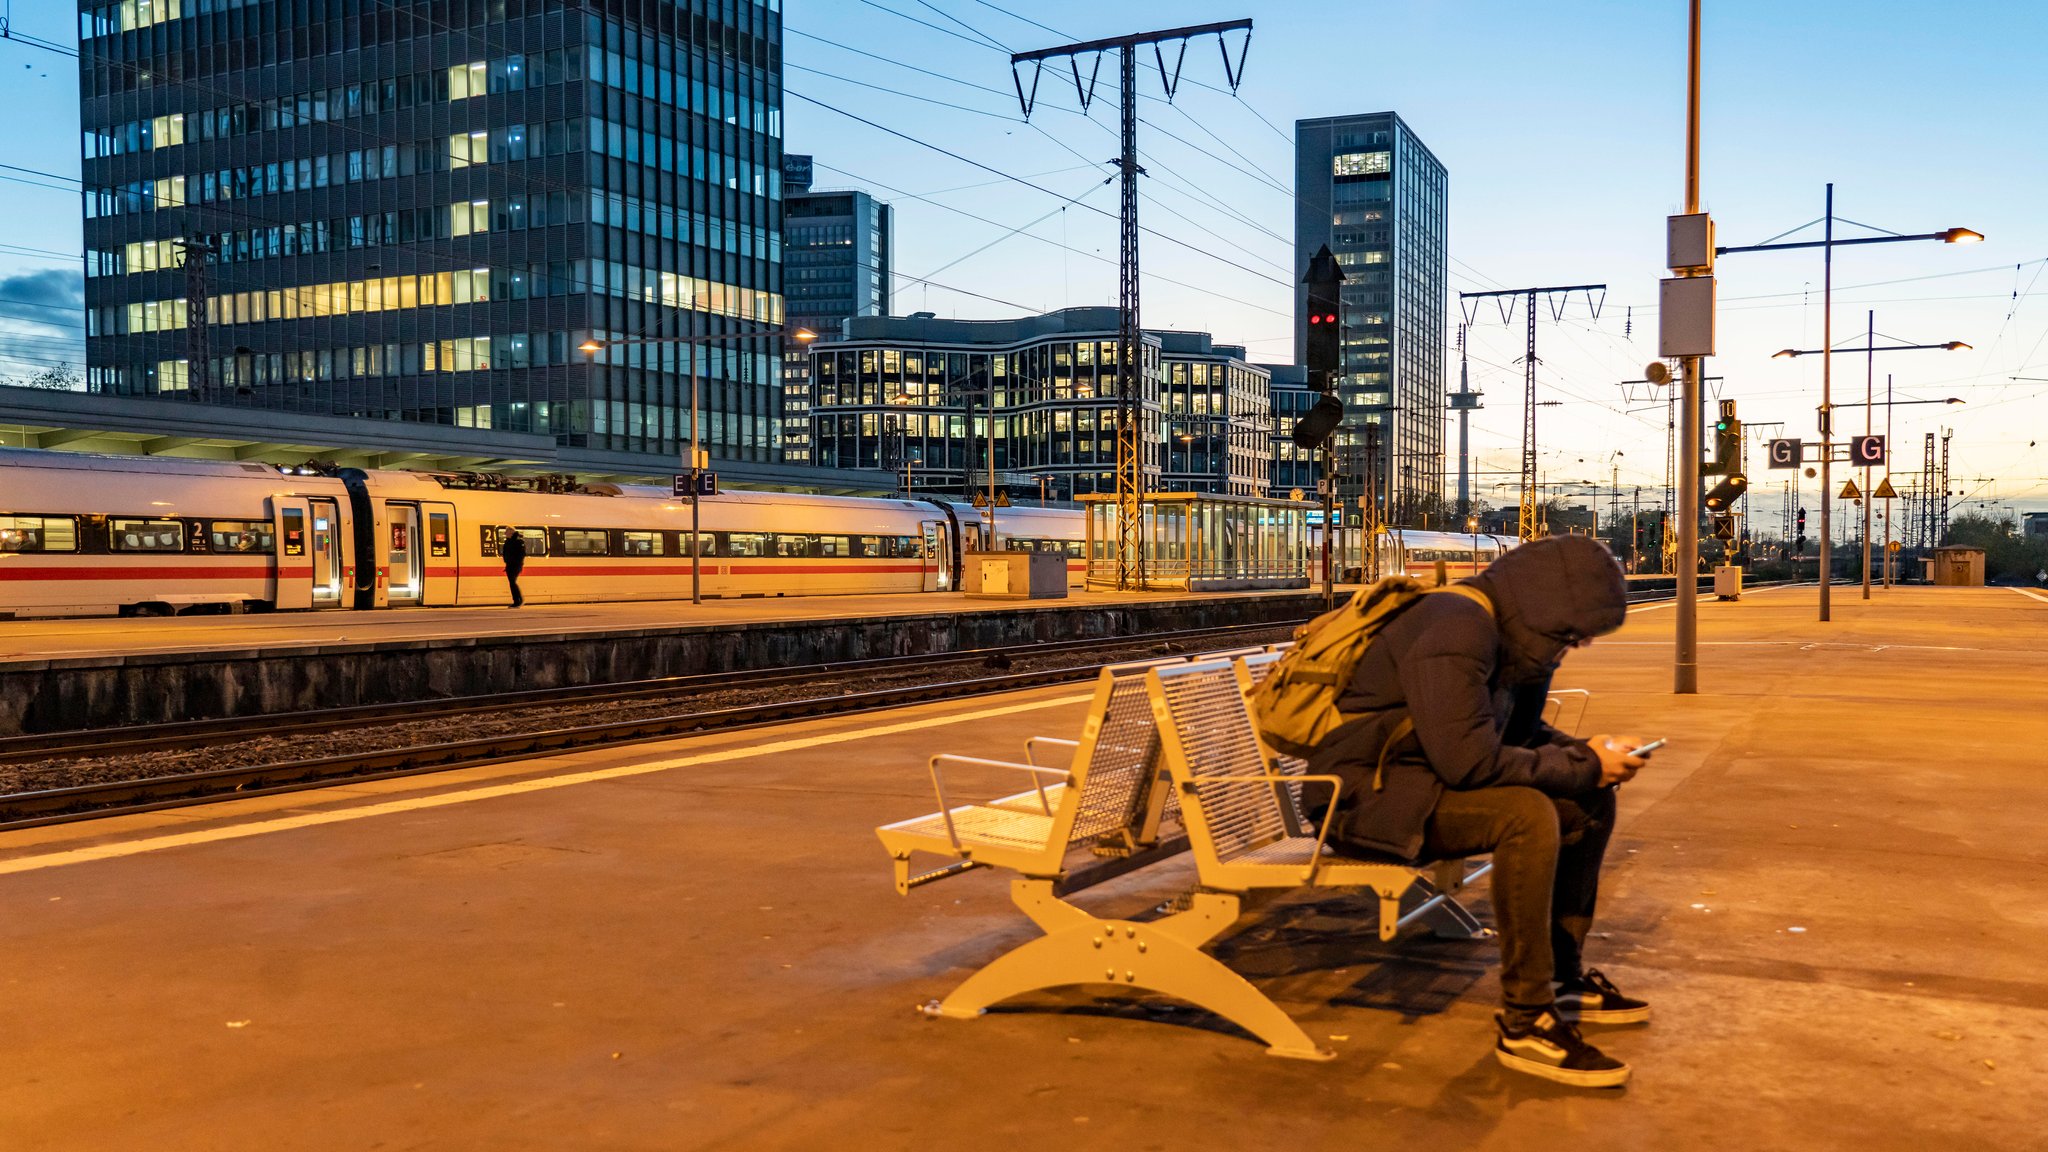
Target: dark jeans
x,y
1546,875
512,578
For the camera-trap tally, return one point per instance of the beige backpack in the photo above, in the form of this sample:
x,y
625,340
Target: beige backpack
x,y
1296,705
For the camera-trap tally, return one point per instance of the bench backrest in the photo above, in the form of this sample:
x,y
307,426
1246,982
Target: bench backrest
x,y
1207,734
1117,761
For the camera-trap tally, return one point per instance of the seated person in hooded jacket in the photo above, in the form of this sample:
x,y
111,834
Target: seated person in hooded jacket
x,y
1483,773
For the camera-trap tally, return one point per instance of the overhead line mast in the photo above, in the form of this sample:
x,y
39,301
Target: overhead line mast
x,y
1527,525
1130,440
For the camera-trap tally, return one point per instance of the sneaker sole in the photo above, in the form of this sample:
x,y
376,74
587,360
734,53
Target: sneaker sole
x,y
1577,1078
1605,1015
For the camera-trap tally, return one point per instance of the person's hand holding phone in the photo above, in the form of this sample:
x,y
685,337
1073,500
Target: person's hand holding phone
x,y
1618,764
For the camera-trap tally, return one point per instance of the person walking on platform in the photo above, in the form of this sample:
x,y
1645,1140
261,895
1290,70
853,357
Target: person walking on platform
x,y
512,548
1481,772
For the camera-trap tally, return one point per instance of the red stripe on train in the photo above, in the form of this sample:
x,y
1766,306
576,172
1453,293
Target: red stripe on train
x,y
192,572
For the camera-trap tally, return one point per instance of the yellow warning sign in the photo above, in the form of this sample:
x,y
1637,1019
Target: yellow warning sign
x,y
1885,491
1893,546
1850,492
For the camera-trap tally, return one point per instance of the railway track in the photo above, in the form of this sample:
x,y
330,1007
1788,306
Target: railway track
x,y
58,805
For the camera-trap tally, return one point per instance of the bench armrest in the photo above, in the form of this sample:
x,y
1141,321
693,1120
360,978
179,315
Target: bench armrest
x,y
1329,814
1031,748
1038,775
1557,696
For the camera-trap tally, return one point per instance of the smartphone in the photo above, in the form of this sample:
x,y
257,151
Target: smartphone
x,y
1646,749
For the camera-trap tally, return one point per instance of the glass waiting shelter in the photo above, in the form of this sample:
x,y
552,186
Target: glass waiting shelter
x,y
1202,541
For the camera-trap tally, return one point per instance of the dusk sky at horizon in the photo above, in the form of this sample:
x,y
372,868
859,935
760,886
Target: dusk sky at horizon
x,y
1562,127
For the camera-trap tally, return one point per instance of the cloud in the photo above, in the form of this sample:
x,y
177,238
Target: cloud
x,y
42,316
51,288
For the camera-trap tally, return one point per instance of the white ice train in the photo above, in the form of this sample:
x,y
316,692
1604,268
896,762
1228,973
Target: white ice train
x,y
84,535
1417,553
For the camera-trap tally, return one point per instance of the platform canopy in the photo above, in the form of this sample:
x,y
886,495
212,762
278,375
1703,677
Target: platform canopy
x,y
73,421
1204,541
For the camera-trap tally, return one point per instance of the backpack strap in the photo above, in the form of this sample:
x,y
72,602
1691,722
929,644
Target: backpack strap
x,y
1401,732
1469,593
1406,728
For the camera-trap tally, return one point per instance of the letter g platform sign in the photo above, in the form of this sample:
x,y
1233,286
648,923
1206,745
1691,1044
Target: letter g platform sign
x,y
1784,454
1867,451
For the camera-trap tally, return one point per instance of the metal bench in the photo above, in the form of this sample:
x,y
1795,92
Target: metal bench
x,y
1243,829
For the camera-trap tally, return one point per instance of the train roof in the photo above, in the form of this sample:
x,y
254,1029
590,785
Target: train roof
x,y
151,465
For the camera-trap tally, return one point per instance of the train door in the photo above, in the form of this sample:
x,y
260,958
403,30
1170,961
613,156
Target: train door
x,y
292,582
938,561
325,548
442,572
404,554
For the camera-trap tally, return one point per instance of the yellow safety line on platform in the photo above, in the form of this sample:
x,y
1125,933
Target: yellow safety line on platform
x,y
2031,594
443,799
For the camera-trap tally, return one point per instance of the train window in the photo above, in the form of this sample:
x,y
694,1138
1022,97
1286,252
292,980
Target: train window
x,y
746,543
146,535
38,534
835,546
586,542
240,536
437,534
791,544
640,544
910,546
869,545
536,539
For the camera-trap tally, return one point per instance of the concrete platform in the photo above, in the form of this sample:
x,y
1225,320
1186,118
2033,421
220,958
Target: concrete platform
x,y
1831,884
97,639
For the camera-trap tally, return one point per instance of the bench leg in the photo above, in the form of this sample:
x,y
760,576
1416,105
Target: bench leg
x,y
1164,956
1440,907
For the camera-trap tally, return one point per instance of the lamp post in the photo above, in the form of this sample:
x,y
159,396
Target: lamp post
x,y
1827,244
1871,348
1472,526
694,466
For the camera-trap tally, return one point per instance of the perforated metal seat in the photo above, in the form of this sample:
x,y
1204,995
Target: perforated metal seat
x,y
1106,792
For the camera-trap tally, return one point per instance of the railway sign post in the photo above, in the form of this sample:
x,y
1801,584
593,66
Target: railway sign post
x,y
1867,451
699,482
1785,453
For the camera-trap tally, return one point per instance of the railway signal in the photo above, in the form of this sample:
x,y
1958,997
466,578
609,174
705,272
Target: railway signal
x,y
1727,444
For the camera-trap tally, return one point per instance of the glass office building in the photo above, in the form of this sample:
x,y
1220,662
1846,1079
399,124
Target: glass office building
x,y
1369,188
911,394
418,212
836,263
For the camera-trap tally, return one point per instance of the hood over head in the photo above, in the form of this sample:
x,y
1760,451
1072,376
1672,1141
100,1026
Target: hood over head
x,y
1549,594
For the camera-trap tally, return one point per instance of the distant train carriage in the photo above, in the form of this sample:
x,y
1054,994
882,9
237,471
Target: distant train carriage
x,y
1413,552
88,534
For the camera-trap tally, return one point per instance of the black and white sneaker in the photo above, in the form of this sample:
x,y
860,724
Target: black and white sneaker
x,y
1593,999
1551,1048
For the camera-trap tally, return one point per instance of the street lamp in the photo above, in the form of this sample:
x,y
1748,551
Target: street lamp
x,y
1870,350
1472,526
695,464
1827,244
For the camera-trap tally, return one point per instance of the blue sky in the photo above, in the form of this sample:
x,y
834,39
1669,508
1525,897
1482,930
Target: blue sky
x,y
1562,127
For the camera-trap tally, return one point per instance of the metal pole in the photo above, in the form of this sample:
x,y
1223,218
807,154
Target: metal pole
x,y
1827,402
696,538
989,382
1869,379
1887,469
1685,673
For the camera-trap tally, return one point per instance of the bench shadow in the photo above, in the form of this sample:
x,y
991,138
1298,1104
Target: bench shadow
x,y
1323,951
1329,950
